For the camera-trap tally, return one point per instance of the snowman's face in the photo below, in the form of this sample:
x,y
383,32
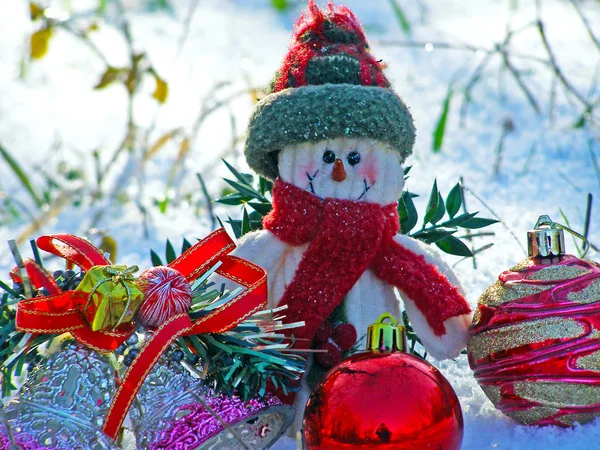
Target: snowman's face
x,y
350,169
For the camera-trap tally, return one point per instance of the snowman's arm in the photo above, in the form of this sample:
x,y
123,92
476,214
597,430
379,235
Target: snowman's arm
x,y
264,249
432,295
260,247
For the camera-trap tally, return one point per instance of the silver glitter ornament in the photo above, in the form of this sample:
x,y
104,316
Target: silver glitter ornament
x,y
62,404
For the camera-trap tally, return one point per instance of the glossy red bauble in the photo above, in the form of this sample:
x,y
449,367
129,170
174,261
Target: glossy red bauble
x,y
389,400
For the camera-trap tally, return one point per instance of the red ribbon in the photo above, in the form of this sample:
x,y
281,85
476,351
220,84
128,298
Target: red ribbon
x,y
61,312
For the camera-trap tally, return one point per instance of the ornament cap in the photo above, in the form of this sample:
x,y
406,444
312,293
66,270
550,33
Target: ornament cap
x,y
386,336
546,240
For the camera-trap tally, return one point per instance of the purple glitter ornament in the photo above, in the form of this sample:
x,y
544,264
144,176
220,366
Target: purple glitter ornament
x,y
255,423
179,412
22,441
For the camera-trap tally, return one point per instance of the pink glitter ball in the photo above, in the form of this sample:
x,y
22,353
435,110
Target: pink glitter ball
x,y
166,294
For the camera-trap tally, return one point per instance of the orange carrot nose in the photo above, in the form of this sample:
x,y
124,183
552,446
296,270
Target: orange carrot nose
x,y
338,173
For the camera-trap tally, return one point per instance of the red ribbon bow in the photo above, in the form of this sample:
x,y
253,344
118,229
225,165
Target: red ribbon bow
x,y
61,312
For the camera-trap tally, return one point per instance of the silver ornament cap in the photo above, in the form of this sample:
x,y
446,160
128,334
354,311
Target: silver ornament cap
x,y
545,240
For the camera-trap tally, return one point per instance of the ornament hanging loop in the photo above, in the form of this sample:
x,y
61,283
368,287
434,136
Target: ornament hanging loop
x,y
547,239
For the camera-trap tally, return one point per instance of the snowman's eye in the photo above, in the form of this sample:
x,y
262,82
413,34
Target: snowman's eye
x,y
328,156
353,158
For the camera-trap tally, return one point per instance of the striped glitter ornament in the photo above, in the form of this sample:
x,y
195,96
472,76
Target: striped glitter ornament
x,y
166,293
534,343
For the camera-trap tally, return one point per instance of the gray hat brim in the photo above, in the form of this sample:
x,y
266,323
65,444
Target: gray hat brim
x,y
329,111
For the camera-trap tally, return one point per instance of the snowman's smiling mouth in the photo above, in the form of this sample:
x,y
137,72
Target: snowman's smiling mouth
x,y
311,187
310,181
367,187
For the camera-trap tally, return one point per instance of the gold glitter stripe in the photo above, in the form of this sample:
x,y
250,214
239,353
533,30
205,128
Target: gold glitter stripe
x,y
558,273
589,362
493,393
499,293
558,395
580,418
590,294
532,415
512,336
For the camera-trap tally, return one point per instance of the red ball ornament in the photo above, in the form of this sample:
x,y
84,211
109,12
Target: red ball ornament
x,y
324,331
383,398
345,336
166,294
332,341
534,343
329,354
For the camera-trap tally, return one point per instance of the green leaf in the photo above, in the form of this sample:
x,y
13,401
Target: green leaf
x,y
585,117
478,222
162,204
235,226
264,185
36,252
454,200
402,20
458,220
431,236
262,208
432,205
245,189
280,5
185,246
440,129
21,175
579,123
156,261
245,227
407,212
255,220
242,178
234,199
440,211
453,246
8,289
170,252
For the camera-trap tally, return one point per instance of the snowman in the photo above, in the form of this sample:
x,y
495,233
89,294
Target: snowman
x,y
333,135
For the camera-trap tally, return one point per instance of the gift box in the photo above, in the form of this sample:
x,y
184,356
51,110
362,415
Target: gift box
x,y
112,296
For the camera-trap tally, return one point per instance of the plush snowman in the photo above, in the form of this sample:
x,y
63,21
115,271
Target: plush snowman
x,y
333,135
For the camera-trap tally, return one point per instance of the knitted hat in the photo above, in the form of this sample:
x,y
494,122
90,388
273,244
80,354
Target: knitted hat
x,y
328,86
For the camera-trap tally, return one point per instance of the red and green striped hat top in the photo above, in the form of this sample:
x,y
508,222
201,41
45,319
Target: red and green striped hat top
x,y
328,86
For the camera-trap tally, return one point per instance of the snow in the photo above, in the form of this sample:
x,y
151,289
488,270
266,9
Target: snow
x,y
51,115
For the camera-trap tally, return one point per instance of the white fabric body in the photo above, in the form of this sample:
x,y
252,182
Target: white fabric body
x,y
377,178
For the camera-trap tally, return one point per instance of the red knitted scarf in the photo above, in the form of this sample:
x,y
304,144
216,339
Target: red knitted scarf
x,y
346,238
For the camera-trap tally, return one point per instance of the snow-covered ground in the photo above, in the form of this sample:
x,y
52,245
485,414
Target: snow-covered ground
x,y
50,115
